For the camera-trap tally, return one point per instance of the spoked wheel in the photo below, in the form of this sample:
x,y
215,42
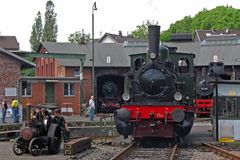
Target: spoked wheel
x,y
54,136
35,147
19,146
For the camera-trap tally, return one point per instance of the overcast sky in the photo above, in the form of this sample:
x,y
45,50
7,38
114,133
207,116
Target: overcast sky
x,y
17,16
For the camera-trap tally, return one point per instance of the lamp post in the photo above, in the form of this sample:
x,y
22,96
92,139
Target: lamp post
x,y
94,7
216,69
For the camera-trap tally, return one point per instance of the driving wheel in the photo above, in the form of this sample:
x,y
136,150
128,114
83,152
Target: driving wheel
x,y
35,146
19,146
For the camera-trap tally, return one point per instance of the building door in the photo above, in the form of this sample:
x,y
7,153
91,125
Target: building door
x,y
49,93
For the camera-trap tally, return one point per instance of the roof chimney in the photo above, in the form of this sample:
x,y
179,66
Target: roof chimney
x,y
82,39
120,33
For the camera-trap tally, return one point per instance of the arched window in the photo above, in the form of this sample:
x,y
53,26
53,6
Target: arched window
x,y
183,65
139,62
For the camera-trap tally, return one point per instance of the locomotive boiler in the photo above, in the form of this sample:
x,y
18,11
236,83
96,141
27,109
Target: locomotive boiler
x,y
158,93
204,94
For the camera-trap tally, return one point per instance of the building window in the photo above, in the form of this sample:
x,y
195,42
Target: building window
x,y
76,72
108,59
26,88
42,72
68,89
46,72
183,65
139,62
51,69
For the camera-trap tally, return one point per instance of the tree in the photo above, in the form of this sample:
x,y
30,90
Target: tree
x,y
78,37
36,34
142,30
184,25
218,18
50,27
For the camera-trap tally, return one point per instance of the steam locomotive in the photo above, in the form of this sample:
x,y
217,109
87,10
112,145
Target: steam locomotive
x,y
158,93
204,94
110,97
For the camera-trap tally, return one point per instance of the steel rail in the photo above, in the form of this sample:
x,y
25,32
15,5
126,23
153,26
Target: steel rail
x,y
124,151
173,153
222,152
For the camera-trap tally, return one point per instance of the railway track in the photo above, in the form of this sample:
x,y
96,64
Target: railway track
x,y
134,151
222,152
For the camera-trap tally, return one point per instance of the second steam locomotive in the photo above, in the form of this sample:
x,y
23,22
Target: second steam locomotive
x,y
158,93
204,94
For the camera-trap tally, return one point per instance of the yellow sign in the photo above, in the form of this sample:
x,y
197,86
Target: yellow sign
x,y
232,92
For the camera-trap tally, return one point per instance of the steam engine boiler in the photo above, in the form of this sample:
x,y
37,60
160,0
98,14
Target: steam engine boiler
x,y
158,93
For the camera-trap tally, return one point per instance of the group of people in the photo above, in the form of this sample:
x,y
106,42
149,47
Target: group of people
x,y
58,119
14,106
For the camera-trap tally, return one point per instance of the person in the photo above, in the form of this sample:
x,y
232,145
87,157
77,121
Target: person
x,y
60,120
15,106
4,109
37,115
91,108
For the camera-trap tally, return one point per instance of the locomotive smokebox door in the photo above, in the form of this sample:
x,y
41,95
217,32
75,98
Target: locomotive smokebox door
x,y
216,68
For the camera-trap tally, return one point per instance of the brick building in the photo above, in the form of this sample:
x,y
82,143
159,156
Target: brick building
x,y
57,80
10,74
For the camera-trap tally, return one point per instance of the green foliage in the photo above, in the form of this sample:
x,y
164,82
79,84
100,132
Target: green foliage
x,y
50,28
78,36
142,30
30,72
218,18
36,35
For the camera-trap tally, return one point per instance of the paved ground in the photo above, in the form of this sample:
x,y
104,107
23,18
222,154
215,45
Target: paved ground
x,y
200,133
6,153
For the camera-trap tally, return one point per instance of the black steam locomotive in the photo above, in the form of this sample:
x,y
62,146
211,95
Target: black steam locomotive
x,y
204,95
158,93
110,96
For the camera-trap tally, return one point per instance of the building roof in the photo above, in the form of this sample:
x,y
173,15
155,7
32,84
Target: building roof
x,y
228,53
115,38
181,37
116,53
119,52
201,35
51,79
24,62
9,42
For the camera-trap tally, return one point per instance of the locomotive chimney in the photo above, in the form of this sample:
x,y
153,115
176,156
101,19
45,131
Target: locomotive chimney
x,y
154,36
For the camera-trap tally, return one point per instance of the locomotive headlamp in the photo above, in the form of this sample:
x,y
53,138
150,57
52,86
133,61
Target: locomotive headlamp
x,y
152,55
178,96
126,97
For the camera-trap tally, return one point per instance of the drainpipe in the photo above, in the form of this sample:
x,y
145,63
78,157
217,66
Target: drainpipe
x,y
82,96
19,98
